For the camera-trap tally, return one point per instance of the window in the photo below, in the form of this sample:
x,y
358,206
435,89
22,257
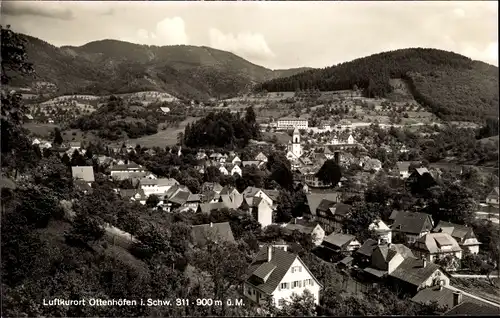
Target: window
x,y
297,284
296,269
284,285
308,282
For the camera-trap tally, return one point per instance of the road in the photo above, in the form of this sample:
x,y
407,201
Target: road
x,y
473,276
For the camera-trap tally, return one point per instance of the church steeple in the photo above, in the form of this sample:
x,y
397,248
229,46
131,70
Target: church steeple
x,y
296,136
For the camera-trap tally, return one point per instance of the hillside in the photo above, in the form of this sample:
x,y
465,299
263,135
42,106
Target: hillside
x,y
114,67
452,86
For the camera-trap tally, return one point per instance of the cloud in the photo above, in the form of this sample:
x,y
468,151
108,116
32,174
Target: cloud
x,y
45,9
169,31
489,54
246,44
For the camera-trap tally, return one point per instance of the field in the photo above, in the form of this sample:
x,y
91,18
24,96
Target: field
x,y
167,137
283,138
40,130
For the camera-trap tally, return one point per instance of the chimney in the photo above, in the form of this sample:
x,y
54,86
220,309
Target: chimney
x,y
269,252
211,224
457,298
424,262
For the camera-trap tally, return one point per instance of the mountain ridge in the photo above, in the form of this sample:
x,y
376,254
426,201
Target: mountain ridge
x,y
452,86
111,66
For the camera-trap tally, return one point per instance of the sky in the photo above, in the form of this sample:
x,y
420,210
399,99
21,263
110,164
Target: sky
x,y
273,34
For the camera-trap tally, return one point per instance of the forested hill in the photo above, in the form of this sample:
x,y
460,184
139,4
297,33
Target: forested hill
x,y
114,67
453,86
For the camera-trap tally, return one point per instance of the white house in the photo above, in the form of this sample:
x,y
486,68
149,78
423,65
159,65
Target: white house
x,y
236,170
261,157
350,140
492,198
260,210
383,232
276,275
223,170
157,186
434,246
236,160
290,122
250,192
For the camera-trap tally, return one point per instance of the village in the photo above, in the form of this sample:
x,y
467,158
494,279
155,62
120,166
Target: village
x,y
406,251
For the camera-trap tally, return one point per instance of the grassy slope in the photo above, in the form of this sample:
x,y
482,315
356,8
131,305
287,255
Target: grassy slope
x,y
452,86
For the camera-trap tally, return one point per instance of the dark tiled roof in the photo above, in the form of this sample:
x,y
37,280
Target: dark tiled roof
x,y
214,231
281,259
367,248
272,194
412,222
412,271
443,297
314,199
472,309
180,197
460,232
325,204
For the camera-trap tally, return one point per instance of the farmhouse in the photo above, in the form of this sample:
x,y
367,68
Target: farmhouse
x,y
276,274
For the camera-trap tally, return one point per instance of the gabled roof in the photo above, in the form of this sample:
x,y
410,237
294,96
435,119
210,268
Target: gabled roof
x,y
194,198
85,173
131,193
250,163
180,197
378,225
443,296
272,194
459,232
339,239
494,193
422,171
250,191
228,190
389,251
473,309
412,222
213,231
214,186
314,199
367,248
411,271
433,242
210,195
302,227
281,260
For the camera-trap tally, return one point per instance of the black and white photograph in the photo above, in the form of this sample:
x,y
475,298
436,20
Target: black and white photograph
x,y
249,158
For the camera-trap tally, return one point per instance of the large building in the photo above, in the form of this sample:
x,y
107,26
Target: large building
x,y
292,122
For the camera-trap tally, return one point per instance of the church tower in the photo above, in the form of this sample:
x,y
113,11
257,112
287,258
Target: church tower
x,y
296,147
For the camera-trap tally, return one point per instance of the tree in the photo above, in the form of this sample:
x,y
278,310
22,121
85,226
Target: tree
x,y
329,173
86,229
152,201
300,305
58,139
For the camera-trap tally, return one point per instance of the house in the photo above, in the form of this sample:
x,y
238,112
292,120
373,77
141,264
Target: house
x,y
165,109
314,199
260,209
120,170
236,170
341,243
256,163
276,275
192,202
350,140
332,215
178,199
383,232
133,195
210,196
223,170
413,274
85,173
211,186
292,122
435,246
403,168
469,308
157,186
231,197
386,258
420,179
492,198
261,157
363,255
313,229
451,298
216,156
252,192
463,234
235,160
411,225
215,232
